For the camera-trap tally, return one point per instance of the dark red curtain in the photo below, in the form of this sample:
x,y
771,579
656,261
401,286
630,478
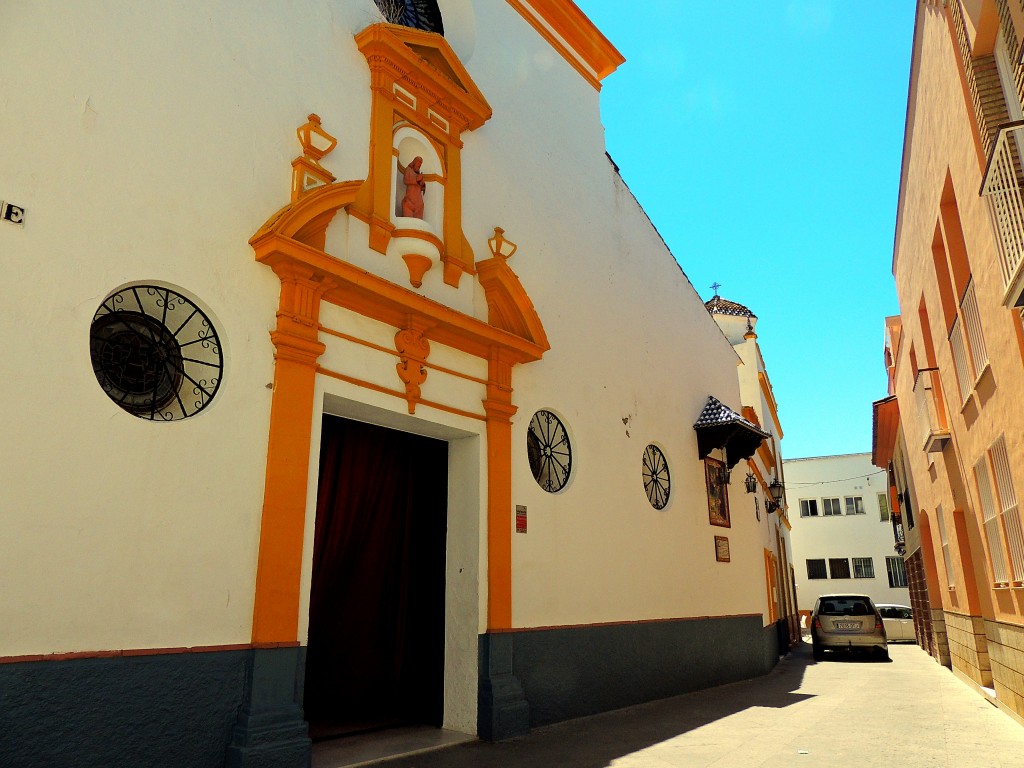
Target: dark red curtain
x,y
376,616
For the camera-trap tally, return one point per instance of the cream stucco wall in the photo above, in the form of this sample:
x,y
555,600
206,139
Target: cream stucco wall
x,y
842,536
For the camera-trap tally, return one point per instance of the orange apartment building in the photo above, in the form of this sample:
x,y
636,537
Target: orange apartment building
x,y
951,432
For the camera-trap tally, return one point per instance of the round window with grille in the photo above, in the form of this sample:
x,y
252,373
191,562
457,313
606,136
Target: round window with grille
x,y
657,483
155,353
549,451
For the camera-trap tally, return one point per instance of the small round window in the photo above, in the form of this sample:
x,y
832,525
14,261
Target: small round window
x,y
549,451
155,353
656,479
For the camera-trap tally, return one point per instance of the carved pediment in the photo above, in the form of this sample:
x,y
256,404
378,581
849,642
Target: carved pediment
x,y
424,65
508,305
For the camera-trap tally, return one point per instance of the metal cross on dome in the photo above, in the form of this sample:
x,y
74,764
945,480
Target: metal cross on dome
x,y
715,286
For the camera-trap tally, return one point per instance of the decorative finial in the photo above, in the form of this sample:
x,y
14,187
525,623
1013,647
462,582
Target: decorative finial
x,y
501,247
715,286
307,173
315,141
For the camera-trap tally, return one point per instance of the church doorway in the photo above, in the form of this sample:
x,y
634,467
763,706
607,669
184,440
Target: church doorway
x,y
375,657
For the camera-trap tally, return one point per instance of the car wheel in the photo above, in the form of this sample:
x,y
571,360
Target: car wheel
x,y
882,654
817,652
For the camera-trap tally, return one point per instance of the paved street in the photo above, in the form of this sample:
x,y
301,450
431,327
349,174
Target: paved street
x,y
833,713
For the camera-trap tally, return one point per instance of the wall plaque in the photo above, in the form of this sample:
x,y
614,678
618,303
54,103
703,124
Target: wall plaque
x,y
722,549
520,518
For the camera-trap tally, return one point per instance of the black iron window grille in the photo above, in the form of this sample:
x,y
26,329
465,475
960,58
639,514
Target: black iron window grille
x,y
816,569
418,14
155,353
657,483
548,451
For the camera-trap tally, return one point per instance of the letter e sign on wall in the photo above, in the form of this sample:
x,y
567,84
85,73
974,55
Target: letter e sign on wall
x,y
13,213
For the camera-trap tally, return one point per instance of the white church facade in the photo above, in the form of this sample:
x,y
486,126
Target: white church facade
x,y
347,385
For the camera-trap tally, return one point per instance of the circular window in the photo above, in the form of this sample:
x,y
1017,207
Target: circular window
x,y
656,479
155,353
549,451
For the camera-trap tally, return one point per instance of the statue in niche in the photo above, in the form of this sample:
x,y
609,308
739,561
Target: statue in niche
x,y
412,203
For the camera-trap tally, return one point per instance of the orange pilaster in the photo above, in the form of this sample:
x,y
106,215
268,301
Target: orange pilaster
x,y
499,409
276,609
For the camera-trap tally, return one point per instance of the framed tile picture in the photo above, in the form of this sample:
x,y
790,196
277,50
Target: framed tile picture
x,y
718,492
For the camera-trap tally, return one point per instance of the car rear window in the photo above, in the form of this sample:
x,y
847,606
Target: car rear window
x,y
846,606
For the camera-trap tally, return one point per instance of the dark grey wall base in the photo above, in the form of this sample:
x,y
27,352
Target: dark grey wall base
x,y
502,711
576,671
168,710
271,731
160,711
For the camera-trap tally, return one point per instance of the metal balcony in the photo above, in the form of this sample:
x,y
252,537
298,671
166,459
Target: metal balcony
x,y
931,410
1002,187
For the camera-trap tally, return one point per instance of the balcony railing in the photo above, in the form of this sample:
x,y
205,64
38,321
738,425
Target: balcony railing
x,y
931,410
963,372
967,343
1002,186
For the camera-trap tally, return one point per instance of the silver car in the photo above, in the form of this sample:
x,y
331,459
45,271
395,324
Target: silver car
x,y
847,623
898,621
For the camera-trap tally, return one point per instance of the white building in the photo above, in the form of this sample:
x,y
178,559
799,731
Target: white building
x,y
842,536
283,451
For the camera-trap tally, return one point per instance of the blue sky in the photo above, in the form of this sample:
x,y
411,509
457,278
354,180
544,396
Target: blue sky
x,y
765,141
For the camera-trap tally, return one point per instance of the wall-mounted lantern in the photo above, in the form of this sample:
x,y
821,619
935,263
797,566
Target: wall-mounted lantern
x,y
776,489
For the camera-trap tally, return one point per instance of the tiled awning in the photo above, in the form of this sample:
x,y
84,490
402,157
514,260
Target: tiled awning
x,y
719,426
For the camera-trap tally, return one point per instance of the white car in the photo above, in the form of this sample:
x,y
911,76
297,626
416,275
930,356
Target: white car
x,y
898,621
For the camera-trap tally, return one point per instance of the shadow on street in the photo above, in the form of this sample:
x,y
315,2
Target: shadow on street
x,y
594,742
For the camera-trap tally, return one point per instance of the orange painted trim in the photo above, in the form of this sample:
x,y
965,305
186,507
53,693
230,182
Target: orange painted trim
x,y
627,623
282,526
282,529
419,234
396,353
764,452
395,45
416,78
587,50
886,418
292,243
131,652
773,406
771,585
400,394
499,515
508,305
500,411
965,556
295,219
1018,330
380,299
751,415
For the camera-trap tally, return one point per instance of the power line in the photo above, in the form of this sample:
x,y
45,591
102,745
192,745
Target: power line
x,y
842,480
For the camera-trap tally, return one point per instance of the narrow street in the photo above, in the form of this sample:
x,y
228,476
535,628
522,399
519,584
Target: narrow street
x,y
843,712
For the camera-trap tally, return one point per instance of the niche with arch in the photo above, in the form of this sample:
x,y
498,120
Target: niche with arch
x,y
423,100
417,239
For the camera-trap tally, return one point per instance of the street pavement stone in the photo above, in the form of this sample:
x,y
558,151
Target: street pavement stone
x,y
910,713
